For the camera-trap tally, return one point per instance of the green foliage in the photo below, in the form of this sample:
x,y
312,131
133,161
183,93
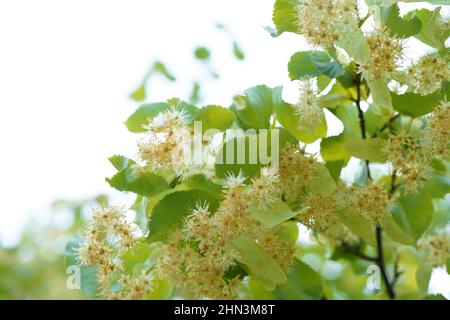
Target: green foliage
x,y
260,265
168,213
377,216
313,63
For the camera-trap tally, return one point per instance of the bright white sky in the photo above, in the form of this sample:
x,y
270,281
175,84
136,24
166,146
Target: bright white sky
x,y
67,67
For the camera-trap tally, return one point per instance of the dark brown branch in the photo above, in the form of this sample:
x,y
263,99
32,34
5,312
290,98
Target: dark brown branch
x,y
380,261
357,252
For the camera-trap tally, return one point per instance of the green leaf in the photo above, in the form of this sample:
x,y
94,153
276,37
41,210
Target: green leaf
x,y
254,108
322,182
399,27
356,45
238,53
290,121
275,214
145,184
396,233
285,16
423,276
366,149
415,105
135,122
169,212
438,185
313,63
215,117
335,168
120,162
380,94
243,153
414,213
431,32
333,148
303,283
359,226
260,265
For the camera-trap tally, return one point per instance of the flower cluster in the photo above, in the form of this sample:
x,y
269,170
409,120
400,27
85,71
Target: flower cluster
x,y
105,240
409,159
437,135
297,169
428,73
385,55
198,256
322,22
307,107
371,202
436,247
166,141
323,213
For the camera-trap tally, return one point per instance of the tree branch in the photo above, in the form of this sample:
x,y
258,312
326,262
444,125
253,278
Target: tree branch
x,y
379,260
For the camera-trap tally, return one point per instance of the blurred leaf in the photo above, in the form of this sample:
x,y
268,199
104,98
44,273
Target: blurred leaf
x,y
423,276
394,232
414,212
303,283
195,93
159,67
237,51
202,53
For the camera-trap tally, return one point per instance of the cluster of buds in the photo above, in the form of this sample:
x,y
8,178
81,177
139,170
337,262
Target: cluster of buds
x,y
297,170
307,107
409,160
105,240
436,247
322,22
372,202
166,142
385,55
323,213
437,135
428,73
201,269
